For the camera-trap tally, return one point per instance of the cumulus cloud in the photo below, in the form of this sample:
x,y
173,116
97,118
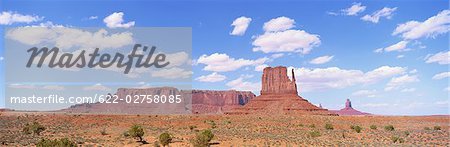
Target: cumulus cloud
x,y
354,9
397,82
214,77
242,85
279,24
222,62
408,90
441,76
313,79
8,18
240,25
433,26
365,93
400,46
279,55
96,87
321,60
375,16
286,41
115,20
66,38
440,58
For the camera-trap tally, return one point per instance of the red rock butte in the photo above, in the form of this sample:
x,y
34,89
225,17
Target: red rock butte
x,y
348,110
279,96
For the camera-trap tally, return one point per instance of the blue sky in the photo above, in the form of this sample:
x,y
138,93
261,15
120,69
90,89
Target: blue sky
x,y
388,57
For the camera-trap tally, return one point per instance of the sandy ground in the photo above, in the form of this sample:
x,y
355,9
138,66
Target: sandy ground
x,y
229,130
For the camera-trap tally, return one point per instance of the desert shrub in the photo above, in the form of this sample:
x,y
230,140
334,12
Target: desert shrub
x,y
329,126
396,139
300,125
165,139
203,138
64,142
356,128
314,133
212,123
426,128
312,126
192,128
136,131
437,127
373,127
406,133
34,128
389,128
103,132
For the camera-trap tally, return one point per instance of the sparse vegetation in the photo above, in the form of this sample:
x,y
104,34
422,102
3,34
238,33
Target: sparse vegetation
x,y
203,138
64,142
389,128
437,127
165,139
356,128
373,127
312,126
33,128
192,128
406,133
314,133
329,126
426,128
136,131
103,132
396,139
212,123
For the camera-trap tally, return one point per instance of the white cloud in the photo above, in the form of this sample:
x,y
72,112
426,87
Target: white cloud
x,y
2,58
399,47
354,9
336,78
375,17
286,41
214,77
321,60
397,82
53,87
261,67
222,62
66,38
440,58
408,90
240,25
279,24
8,18
441,76
447,89
115,20
365,93
240,84
400,56
433,26
93,17
96,87
279,55
172,73
413,71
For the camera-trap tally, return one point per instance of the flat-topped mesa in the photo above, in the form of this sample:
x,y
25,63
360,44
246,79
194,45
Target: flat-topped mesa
x,y
275,81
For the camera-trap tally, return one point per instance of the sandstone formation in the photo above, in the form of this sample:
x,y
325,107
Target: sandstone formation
x,y
210,101
348,110
197,102
279,96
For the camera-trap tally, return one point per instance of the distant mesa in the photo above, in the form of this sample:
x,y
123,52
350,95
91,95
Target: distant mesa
x,y
348,110
279,96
